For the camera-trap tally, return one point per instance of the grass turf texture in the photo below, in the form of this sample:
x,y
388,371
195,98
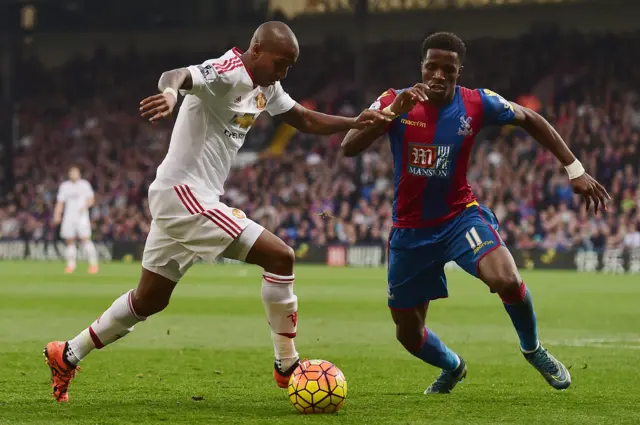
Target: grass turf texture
x,y
213,343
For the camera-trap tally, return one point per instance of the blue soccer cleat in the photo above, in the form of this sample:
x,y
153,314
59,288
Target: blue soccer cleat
x,y
447,380
553,371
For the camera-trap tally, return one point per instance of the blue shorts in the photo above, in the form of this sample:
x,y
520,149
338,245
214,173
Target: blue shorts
x,y
417,256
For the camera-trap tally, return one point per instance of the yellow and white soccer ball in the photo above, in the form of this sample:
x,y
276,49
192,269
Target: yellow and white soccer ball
x,y
317,386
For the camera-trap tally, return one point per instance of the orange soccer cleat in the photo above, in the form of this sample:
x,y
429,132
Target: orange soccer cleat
x,y
69,270
93,269
61,371
282,378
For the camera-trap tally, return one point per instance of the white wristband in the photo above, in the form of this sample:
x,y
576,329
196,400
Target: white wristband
x,y
575,169
172,91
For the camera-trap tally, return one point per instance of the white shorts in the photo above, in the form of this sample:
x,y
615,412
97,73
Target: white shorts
x,y
75,229
188,223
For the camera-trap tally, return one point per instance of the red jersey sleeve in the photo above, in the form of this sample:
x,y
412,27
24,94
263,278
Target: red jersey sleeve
x,y
384,100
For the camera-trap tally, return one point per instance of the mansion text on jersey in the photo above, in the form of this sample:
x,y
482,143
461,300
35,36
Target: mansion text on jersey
x,y
428,172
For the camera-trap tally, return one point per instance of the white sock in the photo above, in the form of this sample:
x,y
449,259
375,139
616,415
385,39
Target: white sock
x,y
114,323
92,254
70,253
281,306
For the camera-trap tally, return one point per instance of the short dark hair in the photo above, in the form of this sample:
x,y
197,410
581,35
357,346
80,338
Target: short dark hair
x,y
444,41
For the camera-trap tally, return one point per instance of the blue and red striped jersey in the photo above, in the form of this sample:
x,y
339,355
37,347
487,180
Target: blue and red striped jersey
x,y
431,148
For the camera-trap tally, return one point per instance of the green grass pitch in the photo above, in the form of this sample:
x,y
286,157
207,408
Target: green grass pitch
x,y
213,342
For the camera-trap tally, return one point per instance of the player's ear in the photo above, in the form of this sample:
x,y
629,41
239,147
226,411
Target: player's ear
x,y
256,48
460,70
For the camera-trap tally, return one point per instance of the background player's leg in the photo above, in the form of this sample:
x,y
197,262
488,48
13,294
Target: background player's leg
x,y
92,254
70,254
280,303
498,270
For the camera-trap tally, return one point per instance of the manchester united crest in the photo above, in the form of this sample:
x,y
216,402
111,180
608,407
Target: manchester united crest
x,y
261,101
238,214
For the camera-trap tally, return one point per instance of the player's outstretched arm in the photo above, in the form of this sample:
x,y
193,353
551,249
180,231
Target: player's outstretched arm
x,y
544,133
313,122
359,140
161,105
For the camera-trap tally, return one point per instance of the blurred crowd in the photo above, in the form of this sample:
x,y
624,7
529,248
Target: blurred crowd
x,y
587,86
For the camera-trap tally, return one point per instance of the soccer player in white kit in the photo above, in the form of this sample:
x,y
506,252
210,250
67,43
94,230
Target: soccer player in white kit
x,y
75,197
223,98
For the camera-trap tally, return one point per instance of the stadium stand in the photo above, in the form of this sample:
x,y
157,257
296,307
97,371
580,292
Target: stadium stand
x,y
581,83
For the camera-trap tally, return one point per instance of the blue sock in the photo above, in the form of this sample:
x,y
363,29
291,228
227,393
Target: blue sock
x,y
434,352
520,309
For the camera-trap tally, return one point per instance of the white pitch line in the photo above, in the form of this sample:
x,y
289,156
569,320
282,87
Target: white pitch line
x,y
624,343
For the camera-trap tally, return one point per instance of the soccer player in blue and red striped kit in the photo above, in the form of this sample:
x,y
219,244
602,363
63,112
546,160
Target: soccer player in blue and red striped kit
x,y
436,217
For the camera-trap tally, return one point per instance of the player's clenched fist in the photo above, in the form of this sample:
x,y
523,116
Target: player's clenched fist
x,y
158,106
370,117
407,99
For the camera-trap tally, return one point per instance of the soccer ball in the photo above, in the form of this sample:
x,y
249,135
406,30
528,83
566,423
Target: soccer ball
x,y
317,386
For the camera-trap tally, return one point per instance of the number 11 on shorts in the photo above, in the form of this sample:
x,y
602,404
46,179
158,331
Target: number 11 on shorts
x,y
473,238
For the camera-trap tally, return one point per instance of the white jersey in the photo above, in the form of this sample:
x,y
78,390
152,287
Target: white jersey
x,y
213,121
75,196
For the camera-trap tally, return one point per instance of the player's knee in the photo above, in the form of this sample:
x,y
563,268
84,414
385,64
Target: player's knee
x,y
410,337
505,281
499,272
282,260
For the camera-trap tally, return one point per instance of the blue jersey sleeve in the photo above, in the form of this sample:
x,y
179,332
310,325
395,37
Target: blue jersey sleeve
x,y
496,109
